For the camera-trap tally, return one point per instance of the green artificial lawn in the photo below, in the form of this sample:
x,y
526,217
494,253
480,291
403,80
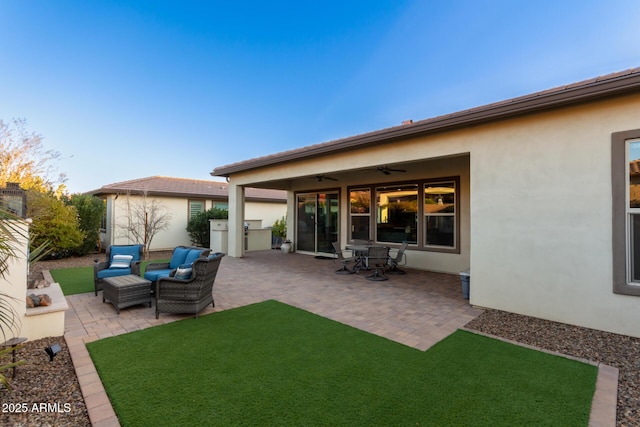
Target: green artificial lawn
x,y
273,364
79,280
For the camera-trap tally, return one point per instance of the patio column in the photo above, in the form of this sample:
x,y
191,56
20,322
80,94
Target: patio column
x,y
236,221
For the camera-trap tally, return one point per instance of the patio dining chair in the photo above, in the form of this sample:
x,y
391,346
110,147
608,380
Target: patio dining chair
x,y
399,259
377,259
344,261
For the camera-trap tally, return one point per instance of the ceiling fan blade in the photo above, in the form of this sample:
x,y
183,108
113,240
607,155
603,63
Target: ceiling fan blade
x,y
387,170
321,178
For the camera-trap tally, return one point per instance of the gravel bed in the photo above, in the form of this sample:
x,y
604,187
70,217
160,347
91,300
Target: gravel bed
x,y
619,351
51,386
41,381
45,393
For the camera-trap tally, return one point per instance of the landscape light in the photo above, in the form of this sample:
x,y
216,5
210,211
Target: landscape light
x,y
52,350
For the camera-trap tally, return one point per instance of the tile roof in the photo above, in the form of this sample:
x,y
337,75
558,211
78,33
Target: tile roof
x,y
183,187
615,84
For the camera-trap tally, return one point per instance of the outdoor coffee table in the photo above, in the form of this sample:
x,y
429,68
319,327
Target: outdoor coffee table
x,y
125,291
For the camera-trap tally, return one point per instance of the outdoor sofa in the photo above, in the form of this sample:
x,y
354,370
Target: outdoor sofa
x,y
182,255
192,293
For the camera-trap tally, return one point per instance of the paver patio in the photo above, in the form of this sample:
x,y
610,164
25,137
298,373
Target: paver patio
x,y
417,309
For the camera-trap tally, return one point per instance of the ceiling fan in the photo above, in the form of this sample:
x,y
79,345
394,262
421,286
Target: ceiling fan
x,y
387,170
321,178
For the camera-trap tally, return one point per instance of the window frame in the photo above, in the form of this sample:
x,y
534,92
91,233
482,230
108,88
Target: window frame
x,y
421,237
453,214
359,214
189,210
621,212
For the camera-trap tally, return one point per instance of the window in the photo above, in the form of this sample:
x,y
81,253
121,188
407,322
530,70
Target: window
x,y
440,213
221,205
360,212
195,207
103,220
425,213
633,209
625,181
397,213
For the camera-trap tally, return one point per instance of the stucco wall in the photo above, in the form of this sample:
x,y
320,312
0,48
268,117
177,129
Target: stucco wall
x,y
541,216
176,234
14,282
267,212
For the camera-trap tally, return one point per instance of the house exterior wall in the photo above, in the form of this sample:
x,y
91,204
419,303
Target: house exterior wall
x,y
176,234
541,216
536,208
265,211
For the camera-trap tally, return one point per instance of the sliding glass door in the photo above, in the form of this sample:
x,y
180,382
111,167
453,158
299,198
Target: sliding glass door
x,y
317,222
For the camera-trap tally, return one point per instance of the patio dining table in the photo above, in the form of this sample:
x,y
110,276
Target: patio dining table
x,y
360,253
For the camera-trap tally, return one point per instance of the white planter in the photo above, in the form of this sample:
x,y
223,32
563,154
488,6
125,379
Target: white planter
x,y
285,248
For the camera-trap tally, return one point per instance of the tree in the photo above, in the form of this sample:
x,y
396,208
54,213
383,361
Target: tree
x,y
54,221
90,211
24,159
199,229
145,217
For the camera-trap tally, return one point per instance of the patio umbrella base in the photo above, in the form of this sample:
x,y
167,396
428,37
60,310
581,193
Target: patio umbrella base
x,y
377,277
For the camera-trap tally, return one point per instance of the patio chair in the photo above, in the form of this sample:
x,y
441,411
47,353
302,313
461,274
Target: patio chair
x,y
182,255
192,293
377,259
121,260
399,259
344,261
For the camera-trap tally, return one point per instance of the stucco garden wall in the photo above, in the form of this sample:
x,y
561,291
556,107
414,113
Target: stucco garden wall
x,y
267,212
14,282
31,323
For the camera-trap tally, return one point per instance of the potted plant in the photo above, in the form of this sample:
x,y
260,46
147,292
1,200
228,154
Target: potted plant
x,y
286,246
279,231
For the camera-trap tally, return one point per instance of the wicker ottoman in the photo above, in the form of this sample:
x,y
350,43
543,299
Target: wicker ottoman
x,y
125,291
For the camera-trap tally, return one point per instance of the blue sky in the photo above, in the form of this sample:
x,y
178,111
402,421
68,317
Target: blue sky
x,y
130,89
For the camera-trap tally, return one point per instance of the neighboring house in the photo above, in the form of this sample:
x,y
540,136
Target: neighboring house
x,y
181,199
532,194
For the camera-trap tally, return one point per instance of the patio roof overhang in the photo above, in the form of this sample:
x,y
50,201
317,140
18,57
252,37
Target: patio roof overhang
x,y
611,85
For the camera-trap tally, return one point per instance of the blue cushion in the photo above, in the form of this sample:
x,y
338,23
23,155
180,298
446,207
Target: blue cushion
x,y
178,257
133,250
216,255
153,275
193,255
113,272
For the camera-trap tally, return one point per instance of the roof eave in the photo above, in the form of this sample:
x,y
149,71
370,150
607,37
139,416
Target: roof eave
x,y
572,94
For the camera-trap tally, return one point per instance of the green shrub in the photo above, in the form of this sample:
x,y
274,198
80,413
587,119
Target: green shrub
x,y
279,229
54,221
90,210
198,226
